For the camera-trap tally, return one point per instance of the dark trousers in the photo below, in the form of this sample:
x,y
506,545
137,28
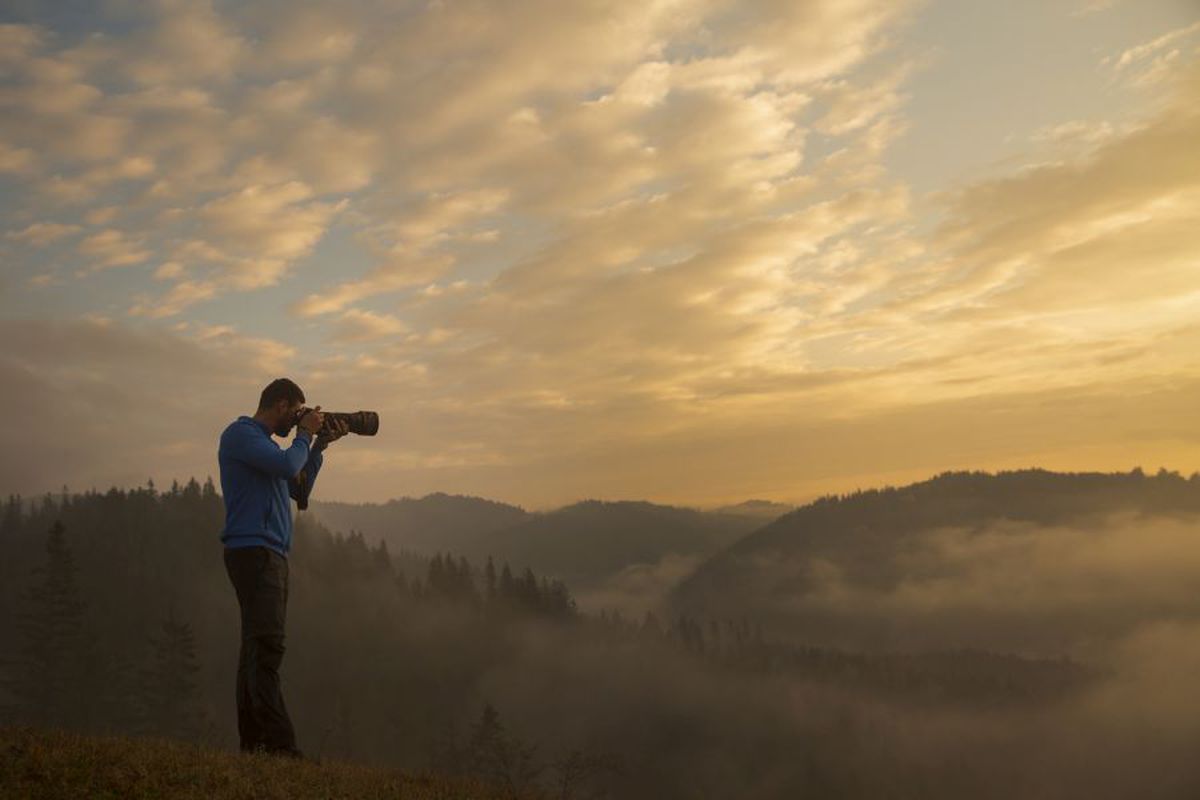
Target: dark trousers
x,y
260,577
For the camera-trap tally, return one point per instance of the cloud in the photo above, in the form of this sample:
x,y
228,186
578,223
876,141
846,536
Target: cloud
x,y
39,234
244,240
1156,61
1141,52
183,43
16,159
102,402
273,225
1086,7
111,248
183,294
1134,188
397,272
357,325
596,226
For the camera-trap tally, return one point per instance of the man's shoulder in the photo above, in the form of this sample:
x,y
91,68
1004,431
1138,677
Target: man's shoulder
x,y
242,426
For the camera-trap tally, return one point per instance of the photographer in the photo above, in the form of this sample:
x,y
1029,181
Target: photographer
x,y
257,479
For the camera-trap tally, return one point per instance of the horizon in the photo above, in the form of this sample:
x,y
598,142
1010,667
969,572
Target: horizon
x,y
704,507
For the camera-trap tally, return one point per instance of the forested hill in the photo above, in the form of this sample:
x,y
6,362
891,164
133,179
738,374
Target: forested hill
x,y
863,567
437,522
585,544
588,541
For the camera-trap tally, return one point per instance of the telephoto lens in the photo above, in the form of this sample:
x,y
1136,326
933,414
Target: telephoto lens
x,y
363,423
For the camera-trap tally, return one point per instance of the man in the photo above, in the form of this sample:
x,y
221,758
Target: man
x,y
257,478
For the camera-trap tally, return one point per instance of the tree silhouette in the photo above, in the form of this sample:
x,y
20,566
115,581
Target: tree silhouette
x,y
170,698
489,574
496,756
57,667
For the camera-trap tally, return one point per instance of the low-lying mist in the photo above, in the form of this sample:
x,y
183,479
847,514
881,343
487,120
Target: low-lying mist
x,y
1002,659
1070,590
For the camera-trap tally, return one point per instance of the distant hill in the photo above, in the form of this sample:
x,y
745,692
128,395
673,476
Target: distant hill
x,y
623,553
590,540
760,509
437,522
931,564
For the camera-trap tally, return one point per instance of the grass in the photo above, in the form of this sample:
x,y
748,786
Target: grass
x,y
45,764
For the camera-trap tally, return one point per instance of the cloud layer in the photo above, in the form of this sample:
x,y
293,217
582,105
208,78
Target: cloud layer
x,y
542,238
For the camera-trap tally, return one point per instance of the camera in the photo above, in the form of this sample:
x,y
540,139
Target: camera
x,y
363,423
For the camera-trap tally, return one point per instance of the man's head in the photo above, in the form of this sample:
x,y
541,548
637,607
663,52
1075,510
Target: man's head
x,y
278,404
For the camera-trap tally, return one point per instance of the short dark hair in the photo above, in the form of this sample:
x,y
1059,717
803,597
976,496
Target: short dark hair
x,y
279,389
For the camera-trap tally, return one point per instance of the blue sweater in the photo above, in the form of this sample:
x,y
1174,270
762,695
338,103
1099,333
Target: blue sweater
x,y
257,478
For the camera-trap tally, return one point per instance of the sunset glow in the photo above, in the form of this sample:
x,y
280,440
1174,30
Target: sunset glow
x,y
685,251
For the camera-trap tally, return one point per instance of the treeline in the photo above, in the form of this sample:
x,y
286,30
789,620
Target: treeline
x,y
961,676
62,675
456,581
1037,495
60,665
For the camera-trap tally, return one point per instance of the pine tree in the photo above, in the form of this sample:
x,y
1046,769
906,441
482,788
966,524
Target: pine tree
x,y
436,579
528,590
52,677
170,696
382,558
495,756
489,575
464,583
508,591
12,516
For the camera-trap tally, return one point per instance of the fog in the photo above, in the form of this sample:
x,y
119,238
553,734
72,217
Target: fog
x,y
1078,678
1013,586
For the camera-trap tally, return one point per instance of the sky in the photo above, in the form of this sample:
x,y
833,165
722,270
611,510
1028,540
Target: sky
x,y
686,251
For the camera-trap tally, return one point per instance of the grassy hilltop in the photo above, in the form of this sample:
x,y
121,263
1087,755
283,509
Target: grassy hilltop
x,y
40,764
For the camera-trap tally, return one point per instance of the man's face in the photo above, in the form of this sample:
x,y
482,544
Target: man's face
x,y
287,416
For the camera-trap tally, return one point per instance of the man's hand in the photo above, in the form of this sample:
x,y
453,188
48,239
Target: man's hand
x,y
312,420
330,435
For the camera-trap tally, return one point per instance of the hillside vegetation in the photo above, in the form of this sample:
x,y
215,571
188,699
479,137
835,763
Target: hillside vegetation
x,y
41,764
1028,561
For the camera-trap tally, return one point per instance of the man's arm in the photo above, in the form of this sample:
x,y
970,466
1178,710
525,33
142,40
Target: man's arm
x,y
301,486
263,454
299,490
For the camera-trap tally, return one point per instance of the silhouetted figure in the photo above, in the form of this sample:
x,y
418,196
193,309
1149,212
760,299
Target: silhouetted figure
x,y
257,478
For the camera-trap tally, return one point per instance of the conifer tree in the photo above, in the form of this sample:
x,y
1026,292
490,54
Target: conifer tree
x,y
382,558
465,584
12,516
528,590
496,756
170,697
507,585
52,676
436,579
489,576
